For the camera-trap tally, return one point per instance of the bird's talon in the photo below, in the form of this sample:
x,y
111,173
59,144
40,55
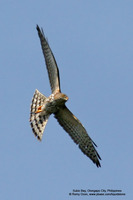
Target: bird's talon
x,y
39,109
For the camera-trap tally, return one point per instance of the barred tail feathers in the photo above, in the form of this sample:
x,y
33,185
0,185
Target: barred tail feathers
x,y
37,120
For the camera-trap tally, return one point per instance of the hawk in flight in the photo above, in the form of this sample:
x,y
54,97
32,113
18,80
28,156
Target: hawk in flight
x,y
42,107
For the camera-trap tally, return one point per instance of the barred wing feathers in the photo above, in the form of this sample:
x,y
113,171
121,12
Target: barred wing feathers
x,y
78,133
50,61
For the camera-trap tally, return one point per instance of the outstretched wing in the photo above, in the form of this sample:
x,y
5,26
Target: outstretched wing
x,y
78,133
53,71
38,121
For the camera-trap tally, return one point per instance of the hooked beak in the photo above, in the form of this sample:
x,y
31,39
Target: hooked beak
x,y
66,98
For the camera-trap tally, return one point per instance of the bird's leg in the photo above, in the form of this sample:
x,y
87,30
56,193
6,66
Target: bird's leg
x,y
39,109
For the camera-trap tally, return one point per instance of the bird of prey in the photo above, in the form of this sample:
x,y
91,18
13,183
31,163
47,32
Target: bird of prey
x,y
42,107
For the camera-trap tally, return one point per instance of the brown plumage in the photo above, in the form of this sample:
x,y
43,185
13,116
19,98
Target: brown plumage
x,y
42,107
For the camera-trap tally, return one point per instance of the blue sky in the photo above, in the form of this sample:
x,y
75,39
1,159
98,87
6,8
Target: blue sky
x,y
93,45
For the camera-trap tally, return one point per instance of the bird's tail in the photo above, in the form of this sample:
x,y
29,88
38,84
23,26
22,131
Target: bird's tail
x,y
38,121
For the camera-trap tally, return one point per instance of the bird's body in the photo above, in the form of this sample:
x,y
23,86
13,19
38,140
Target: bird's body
x,y
42,107
53,103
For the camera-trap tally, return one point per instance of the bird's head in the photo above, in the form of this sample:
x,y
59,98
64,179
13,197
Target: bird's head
x,y
61,98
